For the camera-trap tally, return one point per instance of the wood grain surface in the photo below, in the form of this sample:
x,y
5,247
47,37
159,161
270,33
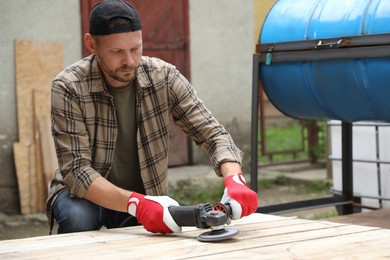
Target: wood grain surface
x,y
261,237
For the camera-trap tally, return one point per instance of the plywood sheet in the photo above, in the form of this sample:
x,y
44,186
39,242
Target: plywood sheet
x,y
48,152
23,166
37,63
41,105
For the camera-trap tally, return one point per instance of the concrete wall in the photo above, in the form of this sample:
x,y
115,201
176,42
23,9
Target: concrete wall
x,y
221,64
28,20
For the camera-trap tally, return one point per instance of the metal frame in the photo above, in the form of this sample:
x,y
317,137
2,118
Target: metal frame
x,y
263,140
345,201
366,46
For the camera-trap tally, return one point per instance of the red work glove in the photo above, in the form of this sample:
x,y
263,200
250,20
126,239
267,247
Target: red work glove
x,y
152,212
242,200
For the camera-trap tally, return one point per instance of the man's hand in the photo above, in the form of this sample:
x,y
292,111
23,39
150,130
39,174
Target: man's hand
x,y
242,200
152,212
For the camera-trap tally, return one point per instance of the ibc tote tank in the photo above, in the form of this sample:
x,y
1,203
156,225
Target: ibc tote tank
x,y
328,59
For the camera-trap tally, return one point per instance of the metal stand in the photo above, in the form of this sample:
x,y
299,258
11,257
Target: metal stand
x,y
254,121
344,202
347,167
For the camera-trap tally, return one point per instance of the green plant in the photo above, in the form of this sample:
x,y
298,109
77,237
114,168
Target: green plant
x,y
281,180
318,186
265,184
300,188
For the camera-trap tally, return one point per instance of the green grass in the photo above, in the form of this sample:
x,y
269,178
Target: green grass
x,y
281,139
265,184
312,187
316,186
292,137
284,138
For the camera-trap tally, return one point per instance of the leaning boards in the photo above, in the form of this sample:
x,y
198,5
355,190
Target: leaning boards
x,y
37,63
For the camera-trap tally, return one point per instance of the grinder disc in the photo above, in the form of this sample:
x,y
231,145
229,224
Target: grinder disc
x,y
218,235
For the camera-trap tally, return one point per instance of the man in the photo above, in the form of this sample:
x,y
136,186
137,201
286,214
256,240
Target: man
x,y
110,115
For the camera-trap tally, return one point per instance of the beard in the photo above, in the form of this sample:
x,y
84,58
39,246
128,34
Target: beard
x,y
124,74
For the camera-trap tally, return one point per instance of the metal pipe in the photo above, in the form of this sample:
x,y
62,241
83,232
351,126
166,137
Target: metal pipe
x,y
337,123
359,160
304,205
378,165
254,121
347,167
356,195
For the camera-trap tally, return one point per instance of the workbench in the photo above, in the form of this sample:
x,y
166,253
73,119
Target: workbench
x,y
261,237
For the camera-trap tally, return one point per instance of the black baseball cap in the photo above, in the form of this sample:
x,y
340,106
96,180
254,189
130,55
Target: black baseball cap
x,y
104,11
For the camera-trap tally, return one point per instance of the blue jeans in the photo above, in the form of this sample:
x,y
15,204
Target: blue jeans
x,y
76,215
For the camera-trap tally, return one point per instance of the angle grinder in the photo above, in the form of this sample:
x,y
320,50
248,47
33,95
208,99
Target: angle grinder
x,y
206,215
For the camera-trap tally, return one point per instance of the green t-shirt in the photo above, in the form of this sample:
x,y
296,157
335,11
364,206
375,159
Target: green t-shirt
x,y
125,172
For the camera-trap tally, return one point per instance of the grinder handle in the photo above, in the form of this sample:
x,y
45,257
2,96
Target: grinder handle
x,y
184,216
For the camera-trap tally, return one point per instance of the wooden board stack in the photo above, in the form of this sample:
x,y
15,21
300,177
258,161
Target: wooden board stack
x,y
37,63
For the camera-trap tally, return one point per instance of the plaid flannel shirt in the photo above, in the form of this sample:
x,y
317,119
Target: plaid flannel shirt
x,y
84,125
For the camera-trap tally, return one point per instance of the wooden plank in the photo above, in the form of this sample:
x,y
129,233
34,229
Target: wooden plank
x,y
275,237
113,234
172,247
37,63
41,107
24,157
373,244
47,150
367,245
22,165
57,241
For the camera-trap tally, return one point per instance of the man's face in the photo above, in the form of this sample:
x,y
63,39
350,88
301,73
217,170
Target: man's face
x,y
119,55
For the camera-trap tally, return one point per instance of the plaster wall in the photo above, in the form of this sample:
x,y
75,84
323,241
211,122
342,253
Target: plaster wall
x,y
28,20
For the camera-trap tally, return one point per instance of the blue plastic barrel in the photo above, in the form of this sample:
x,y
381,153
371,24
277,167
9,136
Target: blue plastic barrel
x,y
342,89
